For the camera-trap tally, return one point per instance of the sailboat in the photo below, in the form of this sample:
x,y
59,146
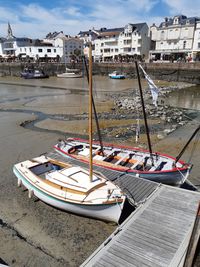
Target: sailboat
x,y
141,163
70,187
70,73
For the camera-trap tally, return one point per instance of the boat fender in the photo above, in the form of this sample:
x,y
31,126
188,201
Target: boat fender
x,y
137,175
30,193
19,182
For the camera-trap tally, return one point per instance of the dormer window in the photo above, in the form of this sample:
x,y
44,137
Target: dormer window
x,y
176,20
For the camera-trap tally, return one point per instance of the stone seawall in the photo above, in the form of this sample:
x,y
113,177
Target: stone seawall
x,y
183,72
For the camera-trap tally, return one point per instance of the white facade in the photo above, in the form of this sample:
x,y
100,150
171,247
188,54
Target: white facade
x,y
1,46
135,40
196,44
72,48
37,52
174,37
131,40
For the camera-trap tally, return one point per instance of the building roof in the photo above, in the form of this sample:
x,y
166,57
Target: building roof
x,y
138,26
183,20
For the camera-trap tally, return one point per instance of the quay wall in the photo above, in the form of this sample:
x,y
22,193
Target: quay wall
x,y
182,71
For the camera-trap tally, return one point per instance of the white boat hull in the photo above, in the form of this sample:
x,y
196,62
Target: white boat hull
x,y
105,212
69,75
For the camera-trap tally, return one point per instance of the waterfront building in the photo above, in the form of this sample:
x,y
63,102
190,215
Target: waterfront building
x,y
39,51
122,44
196,44
173,39
1,47
88,37
72,48
15,48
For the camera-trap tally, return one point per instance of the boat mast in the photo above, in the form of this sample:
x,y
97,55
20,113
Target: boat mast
x,y
144,113
186,145
90,112
95,112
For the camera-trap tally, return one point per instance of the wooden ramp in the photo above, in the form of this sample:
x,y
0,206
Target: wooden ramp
x,y
157,234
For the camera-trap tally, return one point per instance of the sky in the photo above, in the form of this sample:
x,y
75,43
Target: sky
x,y
36,18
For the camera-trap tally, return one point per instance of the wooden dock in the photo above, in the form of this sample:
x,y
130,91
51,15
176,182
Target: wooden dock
x,y
157,233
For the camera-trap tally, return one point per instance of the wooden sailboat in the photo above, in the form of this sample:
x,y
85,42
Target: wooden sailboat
x,y
142,163
70,187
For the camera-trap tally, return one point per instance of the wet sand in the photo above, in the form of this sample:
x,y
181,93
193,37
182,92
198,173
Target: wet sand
x,y
31,232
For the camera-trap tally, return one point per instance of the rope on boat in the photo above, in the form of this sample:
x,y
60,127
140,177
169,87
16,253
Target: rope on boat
x,y
184,177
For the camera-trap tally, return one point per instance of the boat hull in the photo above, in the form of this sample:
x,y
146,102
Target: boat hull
x,y
173,176
69,75
105,212
117,77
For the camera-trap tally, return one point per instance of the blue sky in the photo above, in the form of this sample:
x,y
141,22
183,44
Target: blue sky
x,y
36,18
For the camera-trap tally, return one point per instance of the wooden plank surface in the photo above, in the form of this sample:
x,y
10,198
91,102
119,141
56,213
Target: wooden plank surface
x,y
156,234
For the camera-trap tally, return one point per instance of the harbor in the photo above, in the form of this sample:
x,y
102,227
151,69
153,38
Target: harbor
x,y
33,233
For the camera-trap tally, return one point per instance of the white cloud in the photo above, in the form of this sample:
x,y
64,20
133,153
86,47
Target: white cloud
x,y
33,20
72,11
185,7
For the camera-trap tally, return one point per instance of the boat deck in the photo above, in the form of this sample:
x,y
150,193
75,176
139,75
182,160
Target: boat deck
x,y
156,234
137,189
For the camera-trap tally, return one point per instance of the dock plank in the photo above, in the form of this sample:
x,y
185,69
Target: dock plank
x,y
156,234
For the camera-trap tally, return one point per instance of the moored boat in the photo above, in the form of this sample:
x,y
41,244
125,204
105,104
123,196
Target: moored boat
x,y
156,167
69,187
116,75
33,74
70,73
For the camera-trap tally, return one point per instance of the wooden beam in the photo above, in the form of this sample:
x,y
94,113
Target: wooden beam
x,y
193,241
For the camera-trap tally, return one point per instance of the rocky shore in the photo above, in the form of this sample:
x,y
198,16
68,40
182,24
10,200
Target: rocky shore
x,y
163,119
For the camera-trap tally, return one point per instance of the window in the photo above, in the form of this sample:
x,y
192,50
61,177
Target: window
x,y
198,45
48,50
184,44
39,50
54,50
30,49
162,35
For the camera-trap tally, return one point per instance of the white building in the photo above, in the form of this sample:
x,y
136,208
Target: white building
x,y
196,44
44,52
173,39
13,47
72,48
122,43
